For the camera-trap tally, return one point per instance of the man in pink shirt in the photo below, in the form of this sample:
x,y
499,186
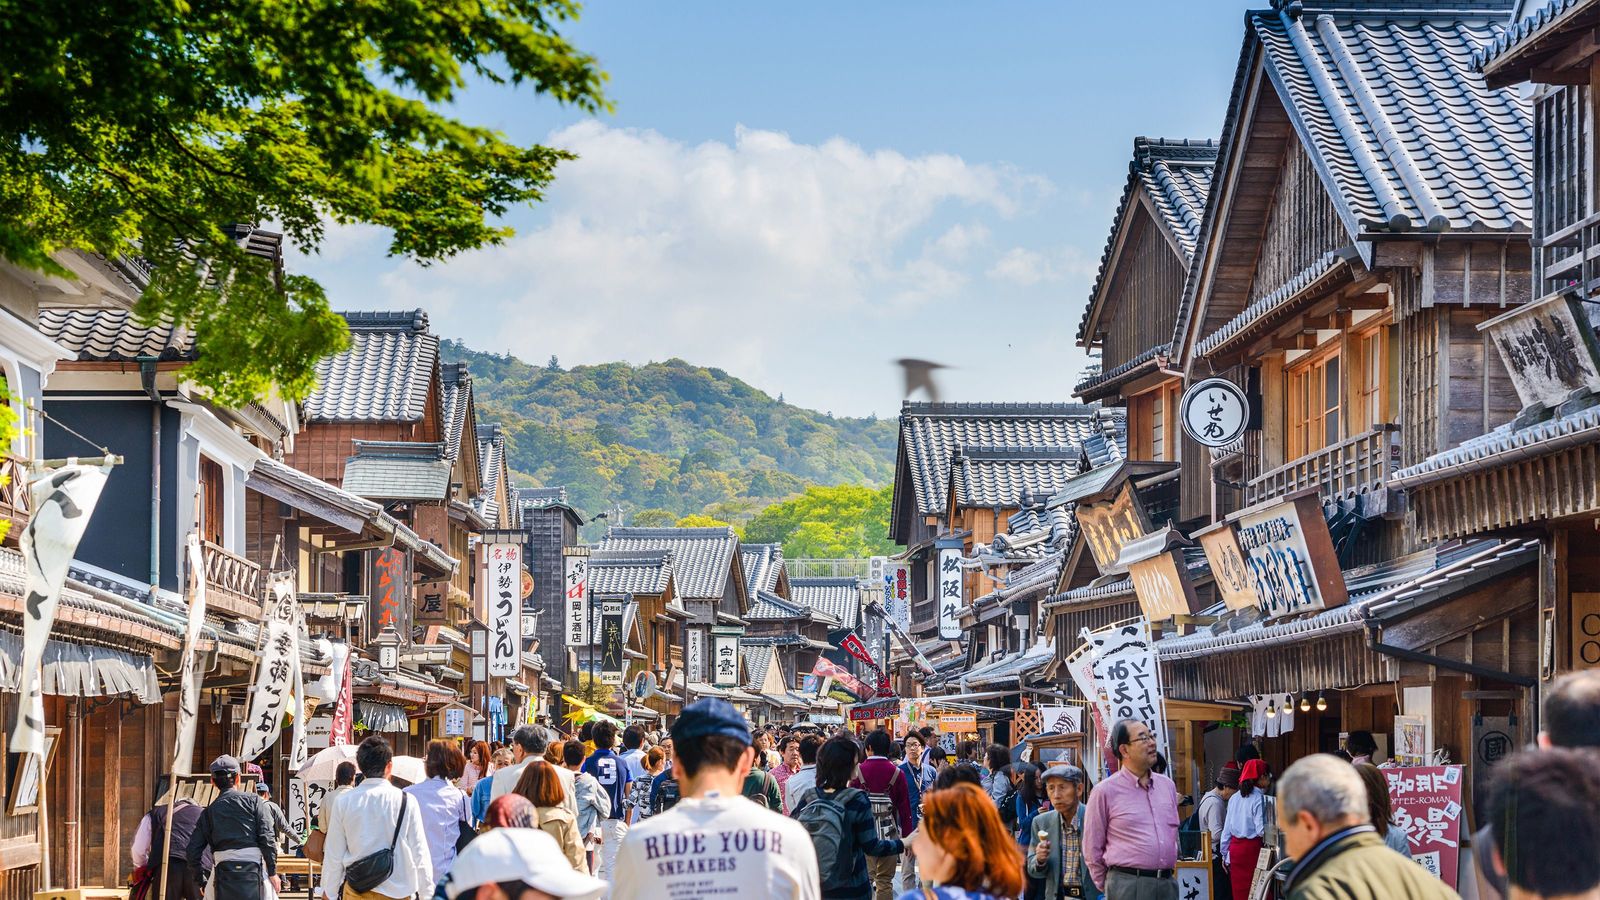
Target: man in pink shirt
x,y
1130,830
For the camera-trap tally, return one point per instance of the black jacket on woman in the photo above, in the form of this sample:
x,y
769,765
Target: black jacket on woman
x,y
862,830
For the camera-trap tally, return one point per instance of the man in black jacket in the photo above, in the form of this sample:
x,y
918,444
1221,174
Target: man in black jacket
x,y
237,827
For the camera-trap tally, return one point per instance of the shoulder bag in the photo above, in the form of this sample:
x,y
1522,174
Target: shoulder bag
x,y
374,869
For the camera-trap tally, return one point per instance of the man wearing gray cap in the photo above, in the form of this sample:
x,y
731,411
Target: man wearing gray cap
x,y
1055,851
237,827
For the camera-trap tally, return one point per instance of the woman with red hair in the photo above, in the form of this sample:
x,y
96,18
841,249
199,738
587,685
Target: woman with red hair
x,y
964,851
1243,826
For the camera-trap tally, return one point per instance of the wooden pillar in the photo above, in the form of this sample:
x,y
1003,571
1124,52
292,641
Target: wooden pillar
x,y
112,802
73,814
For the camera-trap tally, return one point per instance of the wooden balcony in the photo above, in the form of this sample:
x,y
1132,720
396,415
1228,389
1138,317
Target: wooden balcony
x,y
1358,467
1569,258
14,498
233,583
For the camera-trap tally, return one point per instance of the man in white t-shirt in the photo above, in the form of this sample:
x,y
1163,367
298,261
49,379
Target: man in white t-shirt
x,y
715,843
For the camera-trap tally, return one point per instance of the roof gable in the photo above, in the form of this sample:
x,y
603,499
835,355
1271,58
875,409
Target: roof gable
x,y
385,375
839,598
1168,181
764,568
492,499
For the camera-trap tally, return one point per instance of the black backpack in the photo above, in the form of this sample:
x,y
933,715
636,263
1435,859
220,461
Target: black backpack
x,y
828,823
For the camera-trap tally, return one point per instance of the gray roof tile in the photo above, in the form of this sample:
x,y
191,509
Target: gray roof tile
x,y
771,606
930,434
763,563
986,477
455,399
630,571
396,470
1326,265
114,335
1390,105
703,558
757,660
1153,356
492,466
1503,446
836,597
1551,16
384,376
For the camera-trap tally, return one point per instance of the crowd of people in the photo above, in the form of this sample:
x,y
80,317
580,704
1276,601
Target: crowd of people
x,y
715,808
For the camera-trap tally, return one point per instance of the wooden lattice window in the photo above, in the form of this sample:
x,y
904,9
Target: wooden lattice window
x,y
213,508
1371,387
1314,385
1153,429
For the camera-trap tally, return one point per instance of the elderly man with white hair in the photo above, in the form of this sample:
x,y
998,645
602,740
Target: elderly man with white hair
x,y
1337,854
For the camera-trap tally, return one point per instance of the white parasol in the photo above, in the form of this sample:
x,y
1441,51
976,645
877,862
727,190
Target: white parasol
x,y
325,764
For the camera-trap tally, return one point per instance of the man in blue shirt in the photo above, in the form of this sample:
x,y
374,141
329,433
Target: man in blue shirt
x,y
612,773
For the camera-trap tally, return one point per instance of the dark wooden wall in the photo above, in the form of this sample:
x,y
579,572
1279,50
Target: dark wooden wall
x,y
1142,301
1301,226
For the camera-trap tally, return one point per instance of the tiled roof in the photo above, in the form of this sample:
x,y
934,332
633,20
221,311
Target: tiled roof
x,y
930,434
492,463
1150,356
1176,175
1036,530
398,470
630,571
763,563
1326,265
766,605
987,476
757,659
1551,15
383,376
542,496
455,399
836,597
702,558
1390,106
1504,446
114,334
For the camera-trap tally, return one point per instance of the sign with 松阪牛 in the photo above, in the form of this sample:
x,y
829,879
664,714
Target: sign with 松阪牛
x,y
951,593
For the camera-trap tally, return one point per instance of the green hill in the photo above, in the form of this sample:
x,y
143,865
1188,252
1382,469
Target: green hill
x,y
667,436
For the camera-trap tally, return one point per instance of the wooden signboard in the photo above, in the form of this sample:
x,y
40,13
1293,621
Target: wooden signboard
x,y
958,723
1228,569
1585,631
1548,347
1107,526
1162,586
1290,555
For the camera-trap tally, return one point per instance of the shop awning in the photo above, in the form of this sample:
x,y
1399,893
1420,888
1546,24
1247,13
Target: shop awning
x,y
74,669
381,717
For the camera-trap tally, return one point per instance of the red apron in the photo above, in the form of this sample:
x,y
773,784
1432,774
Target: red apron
x,y
1242,855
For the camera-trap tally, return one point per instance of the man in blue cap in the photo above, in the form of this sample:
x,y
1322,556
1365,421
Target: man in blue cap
x,y
715,842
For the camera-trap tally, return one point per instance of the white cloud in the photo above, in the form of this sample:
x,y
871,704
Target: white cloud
x,y
746,254
1026,268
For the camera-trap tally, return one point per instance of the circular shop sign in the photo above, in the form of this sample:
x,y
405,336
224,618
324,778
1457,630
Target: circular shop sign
x,y
1214,412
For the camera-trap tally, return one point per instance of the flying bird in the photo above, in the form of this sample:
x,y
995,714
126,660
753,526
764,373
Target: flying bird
x,y
919,376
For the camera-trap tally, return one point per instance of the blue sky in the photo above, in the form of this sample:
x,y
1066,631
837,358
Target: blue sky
x,y
801,193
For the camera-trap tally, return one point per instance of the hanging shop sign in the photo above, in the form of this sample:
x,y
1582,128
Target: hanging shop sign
x,y
1228,569
1080,665
1109,525
1427,808
502,564
725,657
1127,676
278,688
958,723
1548,348
877,709
576,581
1585,630
1160,576
613,660
694,655
1290,555
951,593
1214,412
1061,719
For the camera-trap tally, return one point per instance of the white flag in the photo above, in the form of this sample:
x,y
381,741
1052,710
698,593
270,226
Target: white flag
x,y
277,688
62,500
189,676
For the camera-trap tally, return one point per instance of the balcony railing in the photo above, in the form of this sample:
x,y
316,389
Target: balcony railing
x,y
14,498
233,583
1359,465
1570,257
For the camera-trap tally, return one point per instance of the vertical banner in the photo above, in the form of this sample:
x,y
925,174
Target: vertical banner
x,y
502,580
62,502
277,672
951,598
900,609
577,599
189,675
1126,673
344,708
725,659
390,604
1427,807
694,655
297,811
613,661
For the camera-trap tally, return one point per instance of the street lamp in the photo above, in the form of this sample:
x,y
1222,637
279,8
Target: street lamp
x,y
388,644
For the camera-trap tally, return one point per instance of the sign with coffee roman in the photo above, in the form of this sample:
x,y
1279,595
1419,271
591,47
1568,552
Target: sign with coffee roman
x,y
1290,555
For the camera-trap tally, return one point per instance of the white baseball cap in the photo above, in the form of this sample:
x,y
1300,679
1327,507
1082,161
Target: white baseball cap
x,y
520,854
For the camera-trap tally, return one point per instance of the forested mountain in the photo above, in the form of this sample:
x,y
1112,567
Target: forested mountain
x,y
667,436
